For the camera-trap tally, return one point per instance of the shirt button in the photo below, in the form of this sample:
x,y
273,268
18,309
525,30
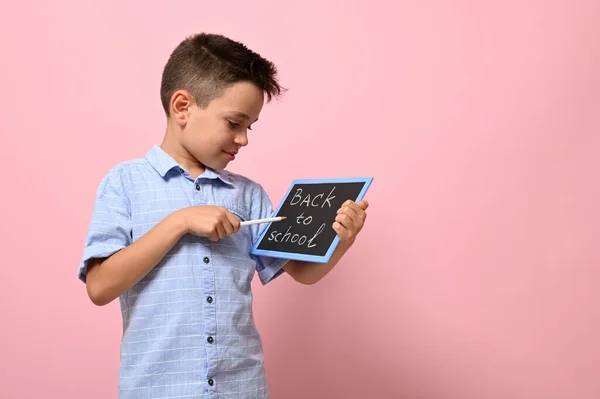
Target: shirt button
x,y
209,299
210,340
206,260
211,382
197,186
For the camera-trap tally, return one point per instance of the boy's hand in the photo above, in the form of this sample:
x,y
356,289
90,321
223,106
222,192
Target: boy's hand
x,y
350,220
212,222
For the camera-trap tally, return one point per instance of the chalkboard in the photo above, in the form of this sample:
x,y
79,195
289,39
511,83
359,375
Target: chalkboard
x,y
310,206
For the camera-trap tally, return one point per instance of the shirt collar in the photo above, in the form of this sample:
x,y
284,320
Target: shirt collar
x,y
163,163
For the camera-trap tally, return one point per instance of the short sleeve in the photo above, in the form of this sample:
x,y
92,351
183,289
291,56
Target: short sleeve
x,y
110,227
268,268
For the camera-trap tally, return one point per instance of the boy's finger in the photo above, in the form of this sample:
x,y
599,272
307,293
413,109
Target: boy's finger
x,y
220,230
343,232
234,221
339,229
360,212
351,211
344,220
228,228
362,204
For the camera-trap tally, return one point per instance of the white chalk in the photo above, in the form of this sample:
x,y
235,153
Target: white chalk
x,y
267,220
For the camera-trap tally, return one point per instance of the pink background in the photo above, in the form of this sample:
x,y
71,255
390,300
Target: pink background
x,y
477,274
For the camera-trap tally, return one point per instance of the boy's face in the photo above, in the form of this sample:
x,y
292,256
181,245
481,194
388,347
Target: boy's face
x,y
213,135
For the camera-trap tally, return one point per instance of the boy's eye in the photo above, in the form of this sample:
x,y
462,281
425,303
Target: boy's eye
x,y
235,125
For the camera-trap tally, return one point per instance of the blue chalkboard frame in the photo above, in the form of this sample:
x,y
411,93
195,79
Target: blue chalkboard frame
x,y
367,180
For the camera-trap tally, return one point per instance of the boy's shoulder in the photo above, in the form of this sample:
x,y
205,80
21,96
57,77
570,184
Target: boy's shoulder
x,y
127,167
121,175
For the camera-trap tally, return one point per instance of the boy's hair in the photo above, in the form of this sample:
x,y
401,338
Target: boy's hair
x,y
207,64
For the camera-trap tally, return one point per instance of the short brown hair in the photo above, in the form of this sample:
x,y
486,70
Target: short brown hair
x,y
207,64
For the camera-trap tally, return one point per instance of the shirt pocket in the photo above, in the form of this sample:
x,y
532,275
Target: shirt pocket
x,y
237,246
232,207
242,214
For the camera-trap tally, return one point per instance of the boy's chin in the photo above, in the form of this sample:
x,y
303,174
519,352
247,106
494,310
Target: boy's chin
x,y
220,165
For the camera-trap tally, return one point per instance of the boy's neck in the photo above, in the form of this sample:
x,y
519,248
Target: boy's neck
x,y
171,146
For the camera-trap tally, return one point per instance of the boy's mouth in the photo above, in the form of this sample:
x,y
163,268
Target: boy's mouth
x,y
230,155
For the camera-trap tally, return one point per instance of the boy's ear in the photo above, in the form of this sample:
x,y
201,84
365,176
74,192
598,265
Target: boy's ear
x,y
181,101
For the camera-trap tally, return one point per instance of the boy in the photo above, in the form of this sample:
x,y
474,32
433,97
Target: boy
x,y
165,235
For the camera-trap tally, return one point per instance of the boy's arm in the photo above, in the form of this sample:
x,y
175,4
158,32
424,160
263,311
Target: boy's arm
x,y
108,278
348,223
311,272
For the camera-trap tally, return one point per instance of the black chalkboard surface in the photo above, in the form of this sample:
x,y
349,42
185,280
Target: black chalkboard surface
x,y
310,206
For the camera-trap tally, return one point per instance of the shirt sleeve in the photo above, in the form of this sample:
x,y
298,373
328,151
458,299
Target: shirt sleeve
x,y
110,227
268,268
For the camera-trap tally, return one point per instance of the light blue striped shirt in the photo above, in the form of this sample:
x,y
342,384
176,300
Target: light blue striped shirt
x,y
188,328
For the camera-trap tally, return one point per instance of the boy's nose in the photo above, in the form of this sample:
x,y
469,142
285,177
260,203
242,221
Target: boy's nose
x,y
242,139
